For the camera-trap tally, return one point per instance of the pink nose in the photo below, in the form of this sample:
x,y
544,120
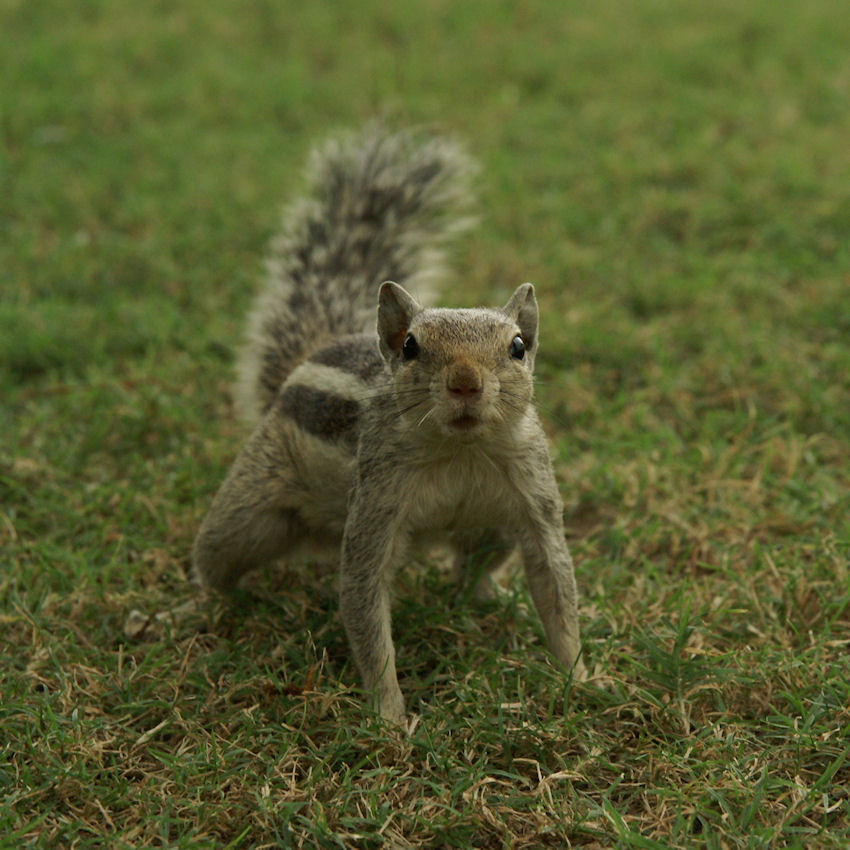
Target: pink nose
x,y
464,382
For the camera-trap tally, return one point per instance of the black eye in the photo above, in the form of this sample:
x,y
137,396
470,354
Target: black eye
x,y
517,349
409,348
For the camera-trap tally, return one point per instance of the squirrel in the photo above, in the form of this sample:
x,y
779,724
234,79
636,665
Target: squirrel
x,y
381,436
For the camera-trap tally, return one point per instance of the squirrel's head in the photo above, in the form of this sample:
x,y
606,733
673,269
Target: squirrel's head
x,y
459,372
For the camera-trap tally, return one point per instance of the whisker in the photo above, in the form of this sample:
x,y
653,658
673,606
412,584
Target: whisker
x,y
427,414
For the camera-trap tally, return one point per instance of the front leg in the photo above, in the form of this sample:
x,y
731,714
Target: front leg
x,y
549,571
372,549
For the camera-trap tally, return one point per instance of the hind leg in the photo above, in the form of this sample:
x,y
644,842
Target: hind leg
x,y
253,519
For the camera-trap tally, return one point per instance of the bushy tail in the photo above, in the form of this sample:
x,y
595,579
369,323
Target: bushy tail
x,y
379,207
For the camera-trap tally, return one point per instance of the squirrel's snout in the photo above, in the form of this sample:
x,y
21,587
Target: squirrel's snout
x,y
464,382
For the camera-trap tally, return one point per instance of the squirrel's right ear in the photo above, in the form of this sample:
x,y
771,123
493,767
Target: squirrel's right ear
x,y
396,309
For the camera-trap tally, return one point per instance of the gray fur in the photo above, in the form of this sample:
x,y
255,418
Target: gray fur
x,y
376,446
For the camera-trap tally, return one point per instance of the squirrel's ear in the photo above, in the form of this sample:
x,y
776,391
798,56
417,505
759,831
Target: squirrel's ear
x,y
396,309
522,308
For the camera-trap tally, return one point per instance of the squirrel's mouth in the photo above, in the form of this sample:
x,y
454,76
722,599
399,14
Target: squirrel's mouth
x,y
464,423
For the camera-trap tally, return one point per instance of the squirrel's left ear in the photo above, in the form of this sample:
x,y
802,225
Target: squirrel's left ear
x,y
522,308
396,309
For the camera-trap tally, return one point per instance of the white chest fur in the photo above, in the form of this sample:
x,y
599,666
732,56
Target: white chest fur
x,y
468,491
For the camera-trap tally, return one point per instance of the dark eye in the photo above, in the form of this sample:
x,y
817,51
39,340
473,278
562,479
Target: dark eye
x,y
517,349
409,348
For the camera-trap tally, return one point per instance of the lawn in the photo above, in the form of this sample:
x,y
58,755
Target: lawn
x,y
675,180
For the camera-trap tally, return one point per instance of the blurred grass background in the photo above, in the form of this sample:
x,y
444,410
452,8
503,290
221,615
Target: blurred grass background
x,y
674,180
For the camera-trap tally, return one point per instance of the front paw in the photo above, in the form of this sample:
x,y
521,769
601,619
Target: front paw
x,y
392,707
579,671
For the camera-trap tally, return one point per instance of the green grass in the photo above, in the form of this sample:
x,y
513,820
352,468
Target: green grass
x,y
674,179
